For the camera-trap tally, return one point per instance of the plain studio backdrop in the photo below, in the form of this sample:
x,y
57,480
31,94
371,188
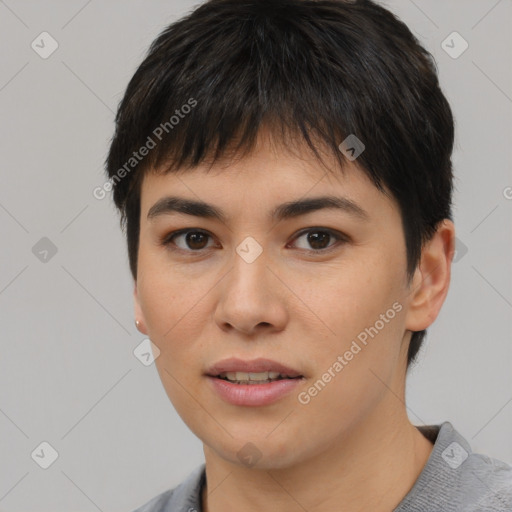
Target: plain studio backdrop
x,y
68,374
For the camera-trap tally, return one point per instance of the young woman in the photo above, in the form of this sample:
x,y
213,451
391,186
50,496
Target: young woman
x,y
283,171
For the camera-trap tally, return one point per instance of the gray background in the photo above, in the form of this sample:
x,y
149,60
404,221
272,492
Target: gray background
x,y
68,375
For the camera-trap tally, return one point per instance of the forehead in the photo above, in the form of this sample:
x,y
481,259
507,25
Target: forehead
x,y
271,174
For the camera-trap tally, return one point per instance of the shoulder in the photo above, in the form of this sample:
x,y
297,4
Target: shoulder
x,y
456,479
474,481
486,484
185,497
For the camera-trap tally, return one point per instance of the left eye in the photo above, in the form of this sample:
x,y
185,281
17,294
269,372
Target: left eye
x,y
195,241
319,238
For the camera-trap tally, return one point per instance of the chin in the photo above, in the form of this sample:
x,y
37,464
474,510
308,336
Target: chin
x,y
256,453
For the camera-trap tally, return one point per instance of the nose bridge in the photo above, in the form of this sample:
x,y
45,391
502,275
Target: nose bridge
x,y
250,265
248,298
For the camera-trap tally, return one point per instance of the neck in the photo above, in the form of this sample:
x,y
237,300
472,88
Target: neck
x,y
371,467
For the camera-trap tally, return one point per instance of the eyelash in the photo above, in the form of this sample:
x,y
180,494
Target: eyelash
x,y
339,237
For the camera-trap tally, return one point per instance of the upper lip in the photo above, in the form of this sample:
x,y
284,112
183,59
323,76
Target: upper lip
x,y
254,366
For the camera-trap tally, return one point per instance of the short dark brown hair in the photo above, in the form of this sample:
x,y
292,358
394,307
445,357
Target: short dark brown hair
x,y
316,70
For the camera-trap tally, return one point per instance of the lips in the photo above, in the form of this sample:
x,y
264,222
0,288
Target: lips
x,y
253,366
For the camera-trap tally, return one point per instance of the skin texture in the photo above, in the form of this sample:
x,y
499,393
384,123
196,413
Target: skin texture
x,y
352,447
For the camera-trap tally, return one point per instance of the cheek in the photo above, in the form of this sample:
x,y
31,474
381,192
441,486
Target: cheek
x,y
174,312
160,306
167,298
353,296
362,306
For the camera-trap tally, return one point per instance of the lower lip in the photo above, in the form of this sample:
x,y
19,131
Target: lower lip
x,y
253,394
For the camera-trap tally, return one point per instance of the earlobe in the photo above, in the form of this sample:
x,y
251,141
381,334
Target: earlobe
x,y
431,281
140,323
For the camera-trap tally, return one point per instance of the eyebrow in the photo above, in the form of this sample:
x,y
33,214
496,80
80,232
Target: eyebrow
x,y
291,209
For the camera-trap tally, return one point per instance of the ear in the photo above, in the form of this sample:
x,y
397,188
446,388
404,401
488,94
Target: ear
x,y
431,280
139,315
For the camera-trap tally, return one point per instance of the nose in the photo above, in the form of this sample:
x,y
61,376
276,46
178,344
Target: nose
x,y
252,298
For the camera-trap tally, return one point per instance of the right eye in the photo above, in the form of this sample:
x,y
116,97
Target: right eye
x,y
193,240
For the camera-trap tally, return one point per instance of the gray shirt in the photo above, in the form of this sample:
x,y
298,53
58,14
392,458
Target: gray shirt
x,y
453,479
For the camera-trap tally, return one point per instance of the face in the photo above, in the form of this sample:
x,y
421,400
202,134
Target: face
x,y
320,290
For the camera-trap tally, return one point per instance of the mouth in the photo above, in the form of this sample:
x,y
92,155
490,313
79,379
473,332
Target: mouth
x,y
249,378
256,394
259,373
256,371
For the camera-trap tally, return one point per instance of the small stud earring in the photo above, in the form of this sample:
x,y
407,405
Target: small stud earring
x,y
137,324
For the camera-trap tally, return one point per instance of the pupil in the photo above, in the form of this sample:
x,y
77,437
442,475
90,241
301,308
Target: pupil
x,y
193,242
314,237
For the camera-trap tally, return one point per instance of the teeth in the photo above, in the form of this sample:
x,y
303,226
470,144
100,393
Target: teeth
x,y
244,376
